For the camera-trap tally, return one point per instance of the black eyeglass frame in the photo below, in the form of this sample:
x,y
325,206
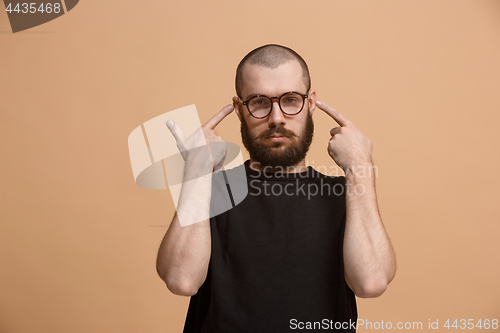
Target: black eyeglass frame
x,y
304,96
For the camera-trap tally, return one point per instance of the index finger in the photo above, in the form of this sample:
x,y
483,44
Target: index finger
x,y
217,118
337,116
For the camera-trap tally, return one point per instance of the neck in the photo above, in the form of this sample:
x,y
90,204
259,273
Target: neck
x,y
299,167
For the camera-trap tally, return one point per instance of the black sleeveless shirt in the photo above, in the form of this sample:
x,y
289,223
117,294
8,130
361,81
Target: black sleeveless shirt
x,y
277,258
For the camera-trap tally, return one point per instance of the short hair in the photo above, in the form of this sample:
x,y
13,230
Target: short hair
x,y
271,56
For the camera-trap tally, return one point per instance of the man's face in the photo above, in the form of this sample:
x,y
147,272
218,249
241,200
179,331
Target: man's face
x,y
278,140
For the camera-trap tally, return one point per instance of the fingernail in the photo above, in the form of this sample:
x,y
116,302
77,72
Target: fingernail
x,y
318,102
230,107
170,124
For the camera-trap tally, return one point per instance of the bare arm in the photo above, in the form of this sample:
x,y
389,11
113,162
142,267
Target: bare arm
x,y
369,259
184,252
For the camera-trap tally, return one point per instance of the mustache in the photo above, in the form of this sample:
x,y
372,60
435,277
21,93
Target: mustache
x,y
277,130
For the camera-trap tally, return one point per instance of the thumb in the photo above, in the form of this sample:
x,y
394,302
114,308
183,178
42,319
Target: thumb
x,y
335,130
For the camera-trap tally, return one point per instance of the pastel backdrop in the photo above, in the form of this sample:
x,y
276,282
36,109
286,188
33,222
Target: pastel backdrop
x,y
79,238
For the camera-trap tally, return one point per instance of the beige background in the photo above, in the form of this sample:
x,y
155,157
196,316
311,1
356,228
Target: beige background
x,y
78,238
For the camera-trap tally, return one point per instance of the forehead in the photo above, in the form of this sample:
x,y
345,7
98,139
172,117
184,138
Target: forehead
x,y
272,81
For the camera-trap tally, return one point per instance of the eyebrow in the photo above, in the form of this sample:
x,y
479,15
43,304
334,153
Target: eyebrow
x,y
251,96
254,94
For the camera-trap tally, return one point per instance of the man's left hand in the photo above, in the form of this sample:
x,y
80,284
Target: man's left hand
x,y
348,147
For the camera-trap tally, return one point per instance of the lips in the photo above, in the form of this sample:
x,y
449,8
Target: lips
x,y
277,138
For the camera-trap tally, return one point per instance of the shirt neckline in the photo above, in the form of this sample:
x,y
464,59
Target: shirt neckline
x,y
257,174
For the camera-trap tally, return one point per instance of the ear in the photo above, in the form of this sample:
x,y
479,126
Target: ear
x,y
237,106
312,101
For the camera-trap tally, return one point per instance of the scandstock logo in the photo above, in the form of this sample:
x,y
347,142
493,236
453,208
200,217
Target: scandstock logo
x,y
26,15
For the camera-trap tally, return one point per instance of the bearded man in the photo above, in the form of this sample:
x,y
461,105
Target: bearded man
x,y
295,252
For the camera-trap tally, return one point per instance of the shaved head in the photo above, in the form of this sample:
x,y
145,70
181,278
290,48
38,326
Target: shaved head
x,y
270,56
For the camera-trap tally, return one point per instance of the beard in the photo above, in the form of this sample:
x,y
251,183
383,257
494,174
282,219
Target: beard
x,y
275,156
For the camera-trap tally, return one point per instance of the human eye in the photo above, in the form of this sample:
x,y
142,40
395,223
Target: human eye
x,y
259,101
289,99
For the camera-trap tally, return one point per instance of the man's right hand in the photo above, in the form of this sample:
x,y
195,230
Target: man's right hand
x,y
195,146
184,254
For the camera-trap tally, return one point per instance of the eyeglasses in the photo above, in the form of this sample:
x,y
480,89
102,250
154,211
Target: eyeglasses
x,y
260,106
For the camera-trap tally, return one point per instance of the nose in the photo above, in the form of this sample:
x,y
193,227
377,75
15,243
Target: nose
x,y
276,117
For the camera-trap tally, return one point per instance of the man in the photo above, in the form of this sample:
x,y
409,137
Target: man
x,y
296,250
